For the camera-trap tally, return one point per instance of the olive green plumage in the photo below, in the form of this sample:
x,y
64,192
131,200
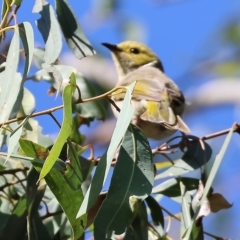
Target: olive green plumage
x,y
159,103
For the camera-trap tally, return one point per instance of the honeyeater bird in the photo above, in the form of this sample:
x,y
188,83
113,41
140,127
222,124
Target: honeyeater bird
x,y
159,103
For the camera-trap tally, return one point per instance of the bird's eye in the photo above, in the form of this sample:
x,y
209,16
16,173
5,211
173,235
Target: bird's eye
x,y
134,50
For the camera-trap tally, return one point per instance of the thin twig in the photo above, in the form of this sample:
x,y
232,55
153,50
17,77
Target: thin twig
x,y
206,137
52,214
51,110
13,171
54,119
8,184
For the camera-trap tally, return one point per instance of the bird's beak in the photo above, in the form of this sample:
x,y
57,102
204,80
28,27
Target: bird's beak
x,y
111,47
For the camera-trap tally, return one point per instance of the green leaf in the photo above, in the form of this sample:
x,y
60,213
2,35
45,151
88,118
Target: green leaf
x,y
139,226
49,28
36,228
36,154
11,85
193,158
104,164
18,219
75,135
210,179
73,174
68,198
186,208
133,182
72,30
15,136
26,34
155,211
63,134
171,186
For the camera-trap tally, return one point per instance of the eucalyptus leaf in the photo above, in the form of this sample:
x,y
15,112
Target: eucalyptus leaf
x,y
104,164
210,179
18,219
12,83
72,30
26,34
49,28
64,131
155,211
68,198
129,185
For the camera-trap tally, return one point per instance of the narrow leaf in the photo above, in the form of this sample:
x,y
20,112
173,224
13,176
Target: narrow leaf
x,y
10,87
49,28
63,134
18,219
26,34
104,164
155,211
133,182
72,30
68,198
210,179
14,137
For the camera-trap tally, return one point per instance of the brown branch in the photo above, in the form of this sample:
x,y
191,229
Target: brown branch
x,y
51,110
54,119
51,214
8,184
13,171
183,143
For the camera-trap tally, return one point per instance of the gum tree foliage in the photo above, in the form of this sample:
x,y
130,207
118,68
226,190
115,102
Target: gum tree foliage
x,y
44,184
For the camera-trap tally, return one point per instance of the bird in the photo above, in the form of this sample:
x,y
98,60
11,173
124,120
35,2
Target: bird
x,y
159,103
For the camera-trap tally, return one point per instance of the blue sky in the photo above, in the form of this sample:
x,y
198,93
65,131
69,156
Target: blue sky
x,y
181,33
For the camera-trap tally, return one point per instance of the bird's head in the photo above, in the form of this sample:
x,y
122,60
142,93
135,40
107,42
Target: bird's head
x,y
130,55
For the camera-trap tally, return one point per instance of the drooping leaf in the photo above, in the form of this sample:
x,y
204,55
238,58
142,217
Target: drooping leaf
x,y
133,182
18,219
15,136
49,28
72,30
64,131
73,174
26,34
36,228
104,164
186,212
68,198
139,226
11,85
155,211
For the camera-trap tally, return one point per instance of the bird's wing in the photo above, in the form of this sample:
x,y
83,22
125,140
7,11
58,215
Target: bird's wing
x,y
151,84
